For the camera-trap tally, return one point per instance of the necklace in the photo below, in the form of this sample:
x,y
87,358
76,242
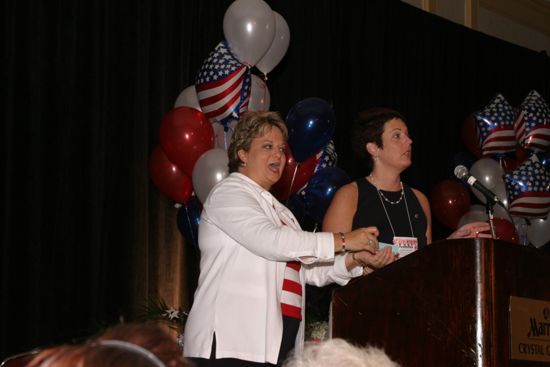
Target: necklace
x,y
382,194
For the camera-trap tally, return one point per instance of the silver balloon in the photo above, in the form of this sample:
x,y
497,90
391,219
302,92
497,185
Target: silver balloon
x,y
278,47
249,28
472,216
538,231
260,99
210,168
489,173
521,228
188,98
478,213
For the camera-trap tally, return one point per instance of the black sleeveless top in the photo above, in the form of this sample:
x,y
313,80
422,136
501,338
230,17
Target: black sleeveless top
x,y
370,212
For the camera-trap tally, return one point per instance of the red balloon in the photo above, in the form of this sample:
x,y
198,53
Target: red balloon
x,y
505,230
185,134
295,175
449,200
469,136
168,178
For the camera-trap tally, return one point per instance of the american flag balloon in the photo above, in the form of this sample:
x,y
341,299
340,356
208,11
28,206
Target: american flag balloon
x,y
495,127
328,157
223,86
529,189
532,125
325,158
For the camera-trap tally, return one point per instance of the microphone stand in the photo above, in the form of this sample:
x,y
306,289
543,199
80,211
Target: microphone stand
x,y
489,207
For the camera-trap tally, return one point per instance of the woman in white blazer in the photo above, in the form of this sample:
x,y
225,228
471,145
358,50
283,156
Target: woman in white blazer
x,y
248,308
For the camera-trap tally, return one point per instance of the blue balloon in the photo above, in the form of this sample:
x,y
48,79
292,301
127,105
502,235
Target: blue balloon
x,y
311,123
321,189
297,206
188,221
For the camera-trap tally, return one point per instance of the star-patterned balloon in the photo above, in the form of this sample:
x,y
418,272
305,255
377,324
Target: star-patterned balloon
x,y
529,189
329,157
532,127
495,127
223,86
320,190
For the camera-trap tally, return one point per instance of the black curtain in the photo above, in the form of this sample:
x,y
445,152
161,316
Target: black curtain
x,y
85,86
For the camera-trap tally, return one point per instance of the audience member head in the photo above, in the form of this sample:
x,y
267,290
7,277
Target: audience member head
x,y
104,354
122,345
368,127
338,352
149,336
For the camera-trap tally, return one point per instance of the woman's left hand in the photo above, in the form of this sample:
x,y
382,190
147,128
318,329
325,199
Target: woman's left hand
x,y
474,229
376,261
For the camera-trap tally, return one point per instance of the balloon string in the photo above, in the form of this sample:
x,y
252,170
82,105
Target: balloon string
x,y
292,181
502,164
225,129
264,98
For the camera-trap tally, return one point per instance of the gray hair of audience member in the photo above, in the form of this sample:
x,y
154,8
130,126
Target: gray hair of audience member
x,y
338,352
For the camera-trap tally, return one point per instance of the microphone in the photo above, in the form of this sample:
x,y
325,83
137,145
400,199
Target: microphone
x,y
463,174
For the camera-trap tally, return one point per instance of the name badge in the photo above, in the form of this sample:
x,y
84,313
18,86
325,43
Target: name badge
x,y
406,245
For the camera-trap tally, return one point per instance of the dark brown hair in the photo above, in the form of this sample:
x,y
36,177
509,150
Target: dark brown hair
x,y
368,127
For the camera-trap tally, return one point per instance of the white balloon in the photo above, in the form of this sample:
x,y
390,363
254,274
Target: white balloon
x,y
188,98
260,99
498,211
211,168
249,28
489,173
472,216
521,228
478,213
477,208
278,47
538,231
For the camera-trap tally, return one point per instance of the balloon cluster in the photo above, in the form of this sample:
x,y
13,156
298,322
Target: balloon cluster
x,y
194,136
310,178
512,147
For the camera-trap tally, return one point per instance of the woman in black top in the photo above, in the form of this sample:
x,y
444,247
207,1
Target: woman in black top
x,y
381,199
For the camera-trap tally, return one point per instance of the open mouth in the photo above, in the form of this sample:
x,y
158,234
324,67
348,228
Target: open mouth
x,y
274,167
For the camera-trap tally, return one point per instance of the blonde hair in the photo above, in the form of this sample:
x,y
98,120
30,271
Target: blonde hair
x,y
250,126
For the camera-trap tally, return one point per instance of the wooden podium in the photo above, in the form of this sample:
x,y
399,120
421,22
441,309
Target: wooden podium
x,y
445,305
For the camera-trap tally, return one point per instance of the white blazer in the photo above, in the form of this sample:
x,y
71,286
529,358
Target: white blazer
x,y
244,250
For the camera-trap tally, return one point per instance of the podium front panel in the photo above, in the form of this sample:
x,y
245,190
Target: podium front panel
x,y
446,304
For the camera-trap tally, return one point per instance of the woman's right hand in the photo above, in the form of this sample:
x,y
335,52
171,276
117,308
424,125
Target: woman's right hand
x,y
362,239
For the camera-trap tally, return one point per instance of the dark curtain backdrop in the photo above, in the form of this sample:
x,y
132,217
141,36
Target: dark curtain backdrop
x,y
86,237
